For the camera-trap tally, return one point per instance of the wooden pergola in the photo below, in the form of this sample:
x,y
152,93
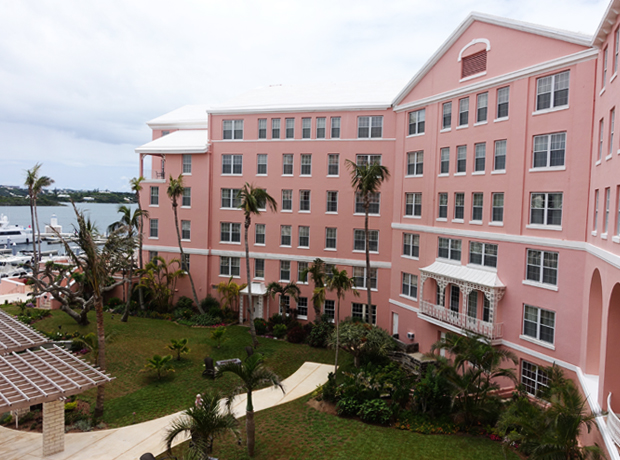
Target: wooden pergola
x,y
17,336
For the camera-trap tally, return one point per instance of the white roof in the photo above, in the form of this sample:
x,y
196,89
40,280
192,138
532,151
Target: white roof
x,y
318,97
463,273
186,117
257,289
609,19
183,141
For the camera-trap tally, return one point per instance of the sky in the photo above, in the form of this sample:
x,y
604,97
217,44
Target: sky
x,y
80,79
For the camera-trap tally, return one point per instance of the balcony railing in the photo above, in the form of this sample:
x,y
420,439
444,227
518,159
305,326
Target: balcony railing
x,y
490,330
613,422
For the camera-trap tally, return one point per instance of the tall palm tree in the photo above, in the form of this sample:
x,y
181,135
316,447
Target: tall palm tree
x,y
289,289
253,199
159,278
317,273
253,374
175,191
230,291
136,187
366,179
341,283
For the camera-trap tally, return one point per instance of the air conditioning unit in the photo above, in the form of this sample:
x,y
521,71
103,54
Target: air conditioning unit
x,y
410,335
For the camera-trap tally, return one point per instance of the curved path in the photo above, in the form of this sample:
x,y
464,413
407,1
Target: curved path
x,y
130,442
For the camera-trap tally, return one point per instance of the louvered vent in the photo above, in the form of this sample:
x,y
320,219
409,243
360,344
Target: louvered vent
x,y
474,64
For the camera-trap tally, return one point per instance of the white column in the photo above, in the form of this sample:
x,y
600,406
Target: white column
x,y
53,427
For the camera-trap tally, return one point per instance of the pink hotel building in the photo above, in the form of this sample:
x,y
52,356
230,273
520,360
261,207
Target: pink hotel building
x,y
501,216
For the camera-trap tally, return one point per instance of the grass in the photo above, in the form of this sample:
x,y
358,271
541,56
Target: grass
x,y
135,396
297,431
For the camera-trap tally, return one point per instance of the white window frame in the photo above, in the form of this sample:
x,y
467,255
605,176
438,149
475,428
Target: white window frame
x,y
233,201
304,203
306,128
260,234
285,270
361,311
359,276
375,204
259,269
303,237
306,165
234,162
555,81
187,164
186,230
409,286
444,159
228,232
549,263
417,122
335,127
359,240
499,156
275,128
154,197
374,125
333,167
482,107
289,128
235,129
533,378
302,308
332,202
497,209
477,206
415,163
287,200
154,228
458,206
452,246
262,128
261,163
186,199
413,204
463,112
553,144
487,252
288,163
503,102
546,209
331,233
301,267
480,153
461,159
533,316
442,212
446,119
286,231
321,123
411,245
230,266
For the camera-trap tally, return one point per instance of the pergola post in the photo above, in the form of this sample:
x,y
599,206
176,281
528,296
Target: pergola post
x,y
53,427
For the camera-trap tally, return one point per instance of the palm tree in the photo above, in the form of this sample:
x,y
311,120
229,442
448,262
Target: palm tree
x,y
253,199
341,282
204,422
317,273
289,289
366,180
175,191
230,291
159,278
136,187
253,374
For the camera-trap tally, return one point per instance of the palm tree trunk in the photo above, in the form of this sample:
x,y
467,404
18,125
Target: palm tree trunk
x,y
36,217
249,427
337,335
140,243
100,354
35,258
248,221
129,286
191,280
367,206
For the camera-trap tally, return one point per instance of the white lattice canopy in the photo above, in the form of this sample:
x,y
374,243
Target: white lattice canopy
x,y
17,336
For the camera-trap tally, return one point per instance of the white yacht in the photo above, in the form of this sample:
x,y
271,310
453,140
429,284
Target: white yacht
x,y
10,234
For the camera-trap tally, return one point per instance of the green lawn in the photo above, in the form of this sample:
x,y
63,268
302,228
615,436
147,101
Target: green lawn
x,y
133,342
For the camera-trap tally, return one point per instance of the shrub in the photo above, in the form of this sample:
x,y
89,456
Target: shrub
x,y
6,418
296,334
375,411
328,392
261,326
432,394
183,313
210,303
83,425
70,405
205,320
185,303
114,302
320,333
219,335
279,331
347,407
274,321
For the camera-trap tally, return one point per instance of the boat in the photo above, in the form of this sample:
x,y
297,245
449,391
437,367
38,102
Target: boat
x,y
13,234
18,265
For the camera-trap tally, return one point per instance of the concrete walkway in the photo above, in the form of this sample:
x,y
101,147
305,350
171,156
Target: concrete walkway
x,y
130,442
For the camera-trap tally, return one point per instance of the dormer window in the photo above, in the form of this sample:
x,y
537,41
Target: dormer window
x,y
474,64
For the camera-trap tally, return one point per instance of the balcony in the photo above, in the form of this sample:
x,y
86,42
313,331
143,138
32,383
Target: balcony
x,y
490,330
613,422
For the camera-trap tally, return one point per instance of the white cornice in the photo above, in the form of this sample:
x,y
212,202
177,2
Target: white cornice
x,y
175,249
609,18
403,305
296,257
296,109
179,125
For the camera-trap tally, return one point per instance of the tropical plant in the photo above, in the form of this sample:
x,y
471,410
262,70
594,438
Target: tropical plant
x,y
204,422
179,346
252,373
90,342
219,335
159,278
229,292
159,364
317,273
136,187
359,338
252,200
341,283
289,289
366,180
175,191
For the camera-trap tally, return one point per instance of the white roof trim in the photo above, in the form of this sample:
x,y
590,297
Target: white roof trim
x,y
179,142
300,108
472,43
549,32
257,289
467,274
186,117
609,18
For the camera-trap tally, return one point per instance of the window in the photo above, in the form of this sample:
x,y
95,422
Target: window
x,y
459,206
440,298
261,164
607,198
449,249
154,196
542,267
552,91
612,122
285,304
302,307
287,200
304,200
285,270
538,323
186,232
533,378
259,234
601,127
360,311
330,309
262,128
187,164
335,127
285,235
416,122
230,198
455,297
546,209
230,232
332,201
411,245
304,237
330,238
472,304
497,208
474,64
165,133
363,160
306,128
233,129
616,43
369,127
605,53
549,149
618,216
301,268
333,164
275,128
415,163
483,107
287,164
595,210
410,286
446,122
374,207
443,206
229,266
480,157
320,128
486,309
153,255
445,161
154,228
503,96
477,205
461,159
499,163
232,164
464,111
186,199
483,254
259,268
306,164
185,263
290,128
413,204
359,275
359,240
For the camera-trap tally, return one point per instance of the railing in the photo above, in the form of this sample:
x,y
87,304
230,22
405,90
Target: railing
x,y
613,422
485,328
